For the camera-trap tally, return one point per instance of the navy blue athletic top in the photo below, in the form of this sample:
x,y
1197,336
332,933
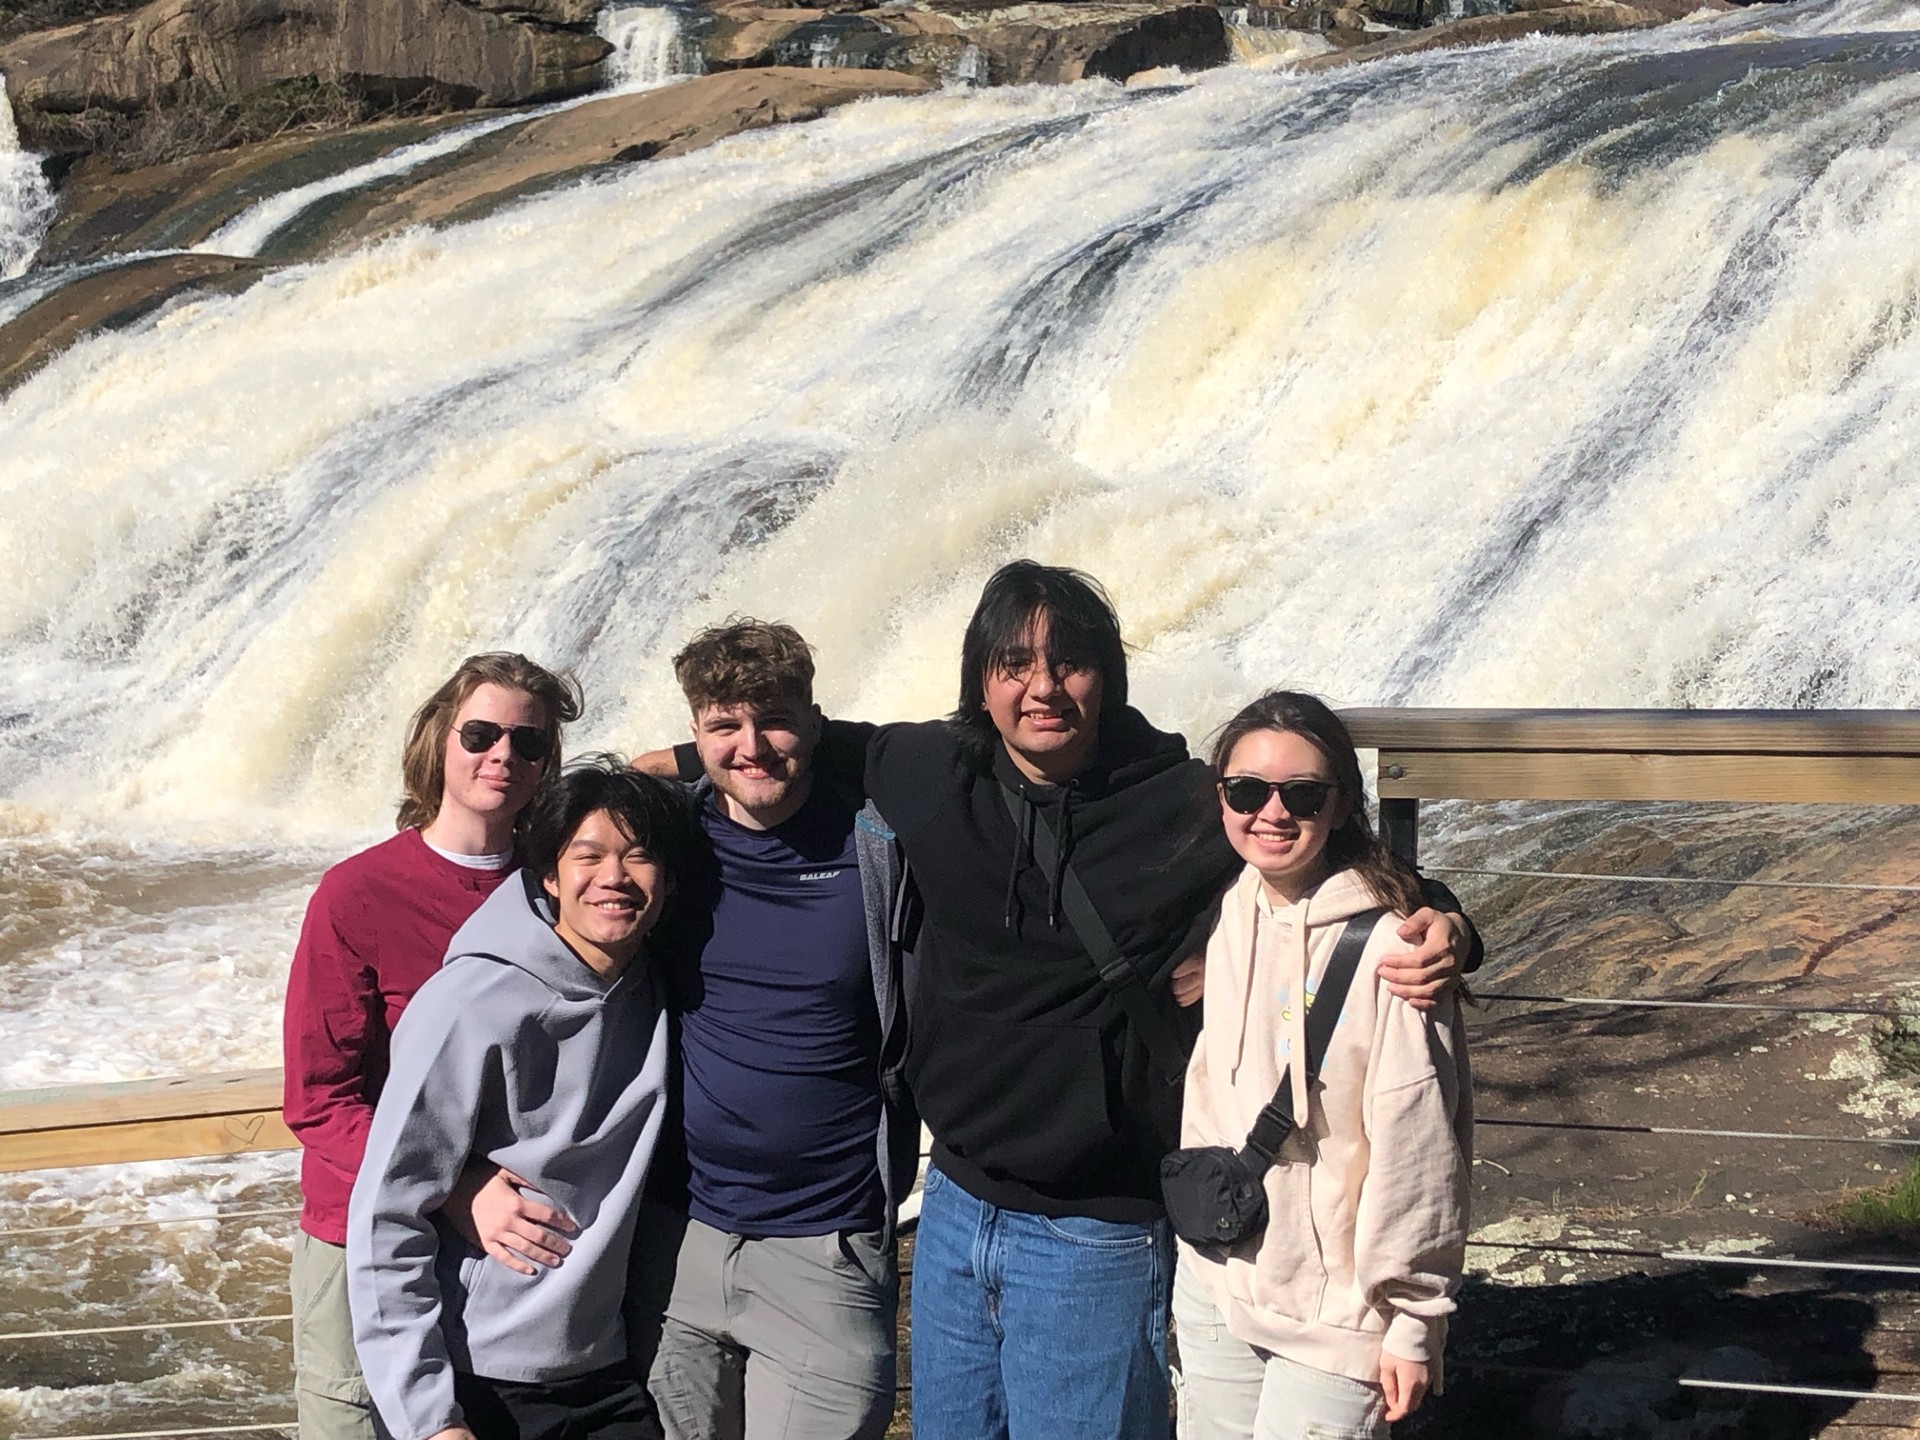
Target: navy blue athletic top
x,y
780,1043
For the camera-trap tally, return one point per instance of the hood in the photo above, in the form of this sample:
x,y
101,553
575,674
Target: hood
x,y
514,926
1131,754
1341,894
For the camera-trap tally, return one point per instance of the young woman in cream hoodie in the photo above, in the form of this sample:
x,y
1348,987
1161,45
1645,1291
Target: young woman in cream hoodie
x,y
1330,1323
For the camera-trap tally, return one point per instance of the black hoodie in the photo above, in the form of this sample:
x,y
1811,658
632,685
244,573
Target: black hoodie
x,y
1040,1096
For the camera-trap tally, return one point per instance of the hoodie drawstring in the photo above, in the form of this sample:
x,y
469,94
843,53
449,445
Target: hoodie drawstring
x,y
1022,852
1063,842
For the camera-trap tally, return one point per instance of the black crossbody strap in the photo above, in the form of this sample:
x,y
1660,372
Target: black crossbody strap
x,y
1164,1047
1277,1120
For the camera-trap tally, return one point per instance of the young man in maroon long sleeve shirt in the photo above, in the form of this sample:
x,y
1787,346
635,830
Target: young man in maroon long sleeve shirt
x,y
376,928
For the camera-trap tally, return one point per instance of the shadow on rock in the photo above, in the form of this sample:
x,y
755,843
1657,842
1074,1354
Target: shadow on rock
x,y
1606,1359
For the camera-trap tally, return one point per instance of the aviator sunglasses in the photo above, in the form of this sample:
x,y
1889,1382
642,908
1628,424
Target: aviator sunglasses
x,y
1247,795
530,742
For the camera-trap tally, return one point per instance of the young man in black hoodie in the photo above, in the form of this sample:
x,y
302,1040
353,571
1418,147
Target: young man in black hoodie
x,y
1043,1260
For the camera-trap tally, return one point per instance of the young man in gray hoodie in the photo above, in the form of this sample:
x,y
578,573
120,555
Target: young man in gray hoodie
x,y
540,1047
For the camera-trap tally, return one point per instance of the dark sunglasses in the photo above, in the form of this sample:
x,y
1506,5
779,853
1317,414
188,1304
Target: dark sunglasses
x,y
1247,794
530,742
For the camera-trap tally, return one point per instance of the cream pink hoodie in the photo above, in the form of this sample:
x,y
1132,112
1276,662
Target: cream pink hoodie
x,y
1367,1209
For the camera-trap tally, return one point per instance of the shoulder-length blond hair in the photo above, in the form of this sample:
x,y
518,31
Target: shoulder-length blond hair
x,y
423,766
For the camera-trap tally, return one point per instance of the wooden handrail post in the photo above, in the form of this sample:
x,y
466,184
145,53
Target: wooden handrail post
x,y
1400,828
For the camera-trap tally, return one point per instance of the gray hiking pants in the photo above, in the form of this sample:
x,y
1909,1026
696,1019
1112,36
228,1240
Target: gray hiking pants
x,y
766,1339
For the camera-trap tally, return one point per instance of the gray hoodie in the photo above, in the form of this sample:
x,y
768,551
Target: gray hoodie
x,y
519,1053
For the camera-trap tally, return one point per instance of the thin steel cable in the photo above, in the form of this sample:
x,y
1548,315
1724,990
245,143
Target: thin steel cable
x,y
1521,998
1704,1134
166,1220
156,1325
1847,885
1699,1257
154,1434
1753,1386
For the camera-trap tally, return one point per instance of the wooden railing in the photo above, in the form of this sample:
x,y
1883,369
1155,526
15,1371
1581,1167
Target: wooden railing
x,y
143,1120
1780,757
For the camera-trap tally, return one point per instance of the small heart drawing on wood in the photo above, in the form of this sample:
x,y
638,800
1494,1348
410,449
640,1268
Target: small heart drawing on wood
x,y
246,1130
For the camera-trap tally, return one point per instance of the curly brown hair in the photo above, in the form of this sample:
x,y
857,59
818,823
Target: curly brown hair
x,y
423,768
745,662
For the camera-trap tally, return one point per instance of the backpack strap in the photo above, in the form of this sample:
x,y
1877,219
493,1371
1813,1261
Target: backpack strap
x,y
1276,1120
1117,973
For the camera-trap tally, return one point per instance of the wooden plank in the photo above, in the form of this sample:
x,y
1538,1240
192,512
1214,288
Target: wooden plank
x,y
1732,732
233,1092
174,1138
1542,775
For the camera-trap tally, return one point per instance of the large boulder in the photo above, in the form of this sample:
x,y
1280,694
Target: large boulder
x,y
492,52
982,41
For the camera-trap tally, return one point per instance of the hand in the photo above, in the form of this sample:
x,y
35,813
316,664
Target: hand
x,y
657,762
1422,975
487,1209
1404,1383
1189,980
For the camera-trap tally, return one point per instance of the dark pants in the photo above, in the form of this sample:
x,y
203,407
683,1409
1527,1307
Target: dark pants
x,y
605,1404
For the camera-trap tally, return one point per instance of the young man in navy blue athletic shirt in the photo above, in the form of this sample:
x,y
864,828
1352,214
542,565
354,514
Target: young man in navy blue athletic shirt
x,y
781,1292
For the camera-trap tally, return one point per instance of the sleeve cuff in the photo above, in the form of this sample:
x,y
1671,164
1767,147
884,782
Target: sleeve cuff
x,y
686,755
1412,1338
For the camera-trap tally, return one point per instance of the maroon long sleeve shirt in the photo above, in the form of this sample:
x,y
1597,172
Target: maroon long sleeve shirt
x,y
376,928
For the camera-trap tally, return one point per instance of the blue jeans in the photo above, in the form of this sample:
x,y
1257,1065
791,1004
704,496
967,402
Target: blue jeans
x,y
1030,1328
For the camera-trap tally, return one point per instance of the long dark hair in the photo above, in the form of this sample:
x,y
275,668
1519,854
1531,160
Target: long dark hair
x,y
1083,632
1355,845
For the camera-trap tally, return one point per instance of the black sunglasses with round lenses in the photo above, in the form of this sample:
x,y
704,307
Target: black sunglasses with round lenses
x,y
1247,795
530,742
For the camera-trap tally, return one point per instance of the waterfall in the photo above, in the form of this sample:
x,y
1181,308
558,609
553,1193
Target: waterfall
x,y
650,46
1567,372
26,199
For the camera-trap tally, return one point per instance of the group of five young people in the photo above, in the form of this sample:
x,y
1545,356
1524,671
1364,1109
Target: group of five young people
x,y
861,918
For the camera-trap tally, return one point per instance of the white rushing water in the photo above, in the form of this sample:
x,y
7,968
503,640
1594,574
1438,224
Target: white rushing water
x,y
651,46
1567,372
26,199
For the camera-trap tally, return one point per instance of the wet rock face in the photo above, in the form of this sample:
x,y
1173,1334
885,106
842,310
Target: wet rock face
x,y
987,43
492,52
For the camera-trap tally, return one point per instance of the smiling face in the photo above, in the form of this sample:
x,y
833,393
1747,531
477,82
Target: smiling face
x,y
1288,851
494,785
609,892
1047,713
759,756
